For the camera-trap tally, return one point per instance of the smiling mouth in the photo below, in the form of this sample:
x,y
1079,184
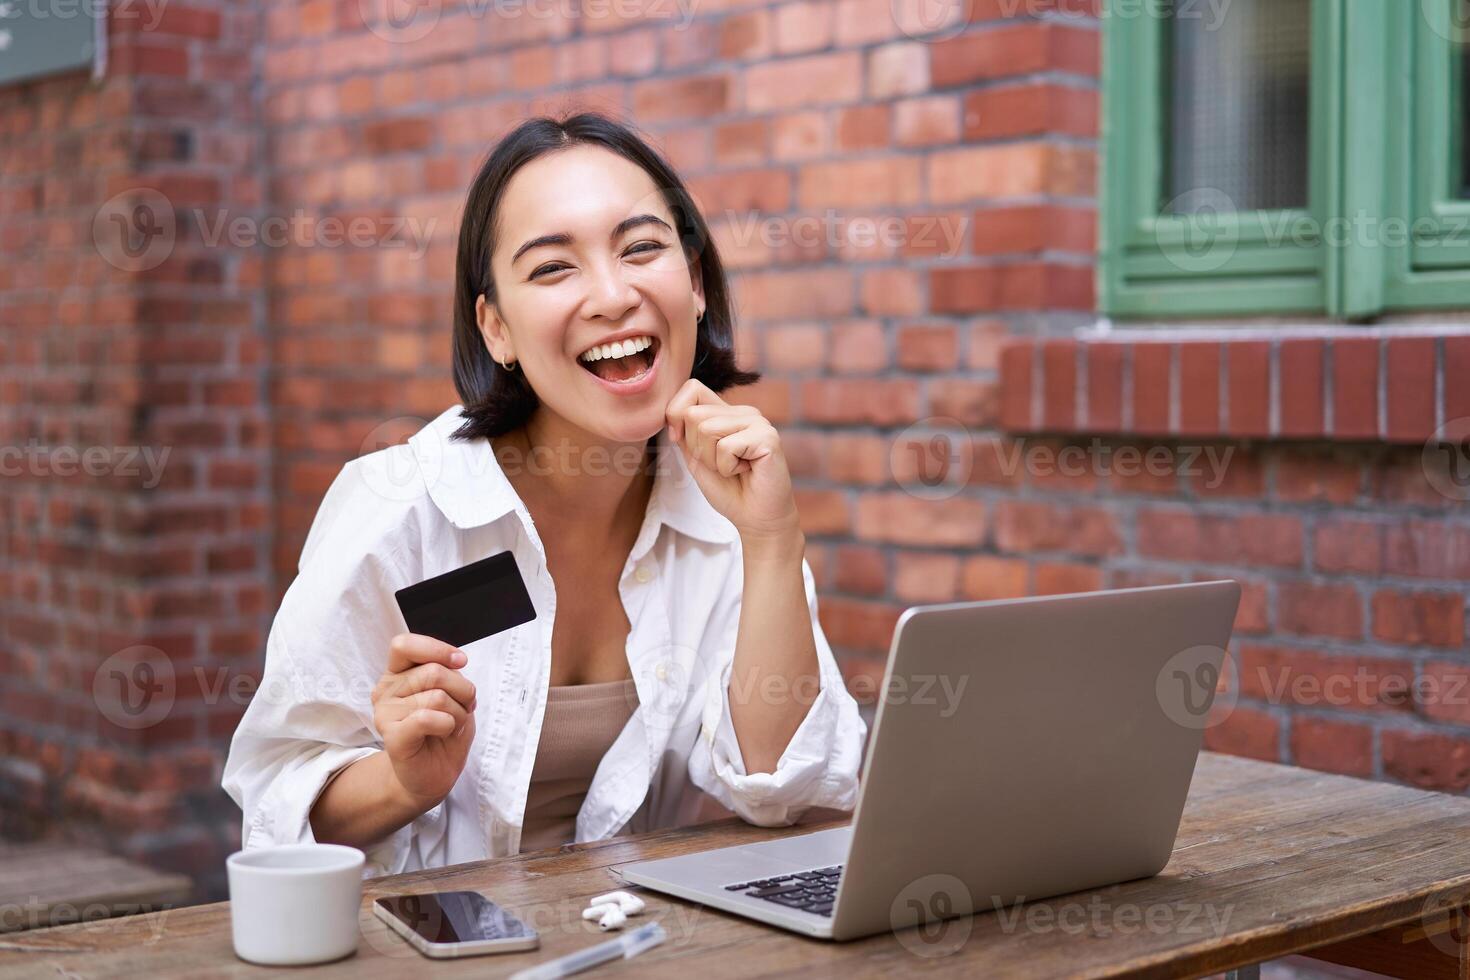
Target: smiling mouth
x,y
621,362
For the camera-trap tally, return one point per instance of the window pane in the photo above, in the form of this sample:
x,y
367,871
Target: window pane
x,y
1240,100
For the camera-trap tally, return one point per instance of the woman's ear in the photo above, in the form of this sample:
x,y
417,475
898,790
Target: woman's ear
x,y
494,331
696,281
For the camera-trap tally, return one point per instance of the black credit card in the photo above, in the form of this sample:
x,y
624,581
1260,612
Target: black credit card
x,y
470,603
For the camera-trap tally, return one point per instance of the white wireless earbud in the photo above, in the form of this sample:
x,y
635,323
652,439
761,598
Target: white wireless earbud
x,y
628,903
613,918
612,910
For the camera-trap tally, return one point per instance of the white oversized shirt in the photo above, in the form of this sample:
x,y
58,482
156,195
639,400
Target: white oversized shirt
x,y
403,514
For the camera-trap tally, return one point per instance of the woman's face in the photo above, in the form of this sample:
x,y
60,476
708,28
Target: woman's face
x,y
613,273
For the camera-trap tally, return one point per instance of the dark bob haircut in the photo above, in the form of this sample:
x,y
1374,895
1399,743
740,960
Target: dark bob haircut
x,y
497,401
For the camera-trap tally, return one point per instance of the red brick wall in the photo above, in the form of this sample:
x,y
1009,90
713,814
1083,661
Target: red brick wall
x,y
794,111
1337,511
265,366
985,132
118,340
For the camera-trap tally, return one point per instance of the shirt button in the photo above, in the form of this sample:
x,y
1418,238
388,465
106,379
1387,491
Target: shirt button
x,y
661,672
643,574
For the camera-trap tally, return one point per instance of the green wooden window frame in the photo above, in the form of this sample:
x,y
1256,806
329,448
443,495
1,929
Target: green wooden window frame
x,y
1433,268
1385,227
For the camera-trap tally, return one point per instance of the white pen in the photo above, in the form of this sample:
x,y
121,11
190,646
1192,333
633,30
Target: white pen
x,y
628,945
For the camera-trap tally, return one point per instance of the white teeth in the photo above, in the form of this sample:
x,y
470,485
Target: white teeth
x,y
617,349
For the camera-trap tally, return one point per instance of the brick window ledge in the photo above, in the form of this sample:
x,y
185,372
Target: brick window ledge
x,y
1350,385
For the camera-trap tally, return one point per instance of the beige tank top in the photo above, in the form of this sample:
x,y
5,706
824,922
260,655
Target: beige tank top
x,y
581,723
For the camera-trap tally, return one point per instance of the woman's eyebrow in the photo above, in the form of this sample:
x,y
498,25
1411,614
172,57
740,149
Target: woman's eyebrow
x,y
562,238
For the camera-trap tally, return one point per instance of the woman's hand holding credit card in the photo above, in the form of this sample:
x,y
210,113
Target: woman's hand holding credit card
x,y
423,707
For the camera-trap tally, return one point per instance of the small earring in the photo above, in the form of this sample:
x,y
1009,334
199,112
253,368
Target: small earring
x,y
507,367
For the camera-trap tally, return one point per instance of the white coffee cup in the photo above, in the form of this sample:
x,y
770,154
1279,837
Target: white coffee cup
x,y
295,903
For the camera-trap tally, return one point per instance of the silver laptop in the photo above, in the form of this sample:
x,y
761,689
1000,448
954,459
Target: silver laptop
x,y
1022,749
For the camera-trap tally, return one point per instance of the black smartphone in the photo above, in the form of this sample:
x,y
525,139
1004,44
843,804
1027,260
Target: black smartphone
x,y
448,924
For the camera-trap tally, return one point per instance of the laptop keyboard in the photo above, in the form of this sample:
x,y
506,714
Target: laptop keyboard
x,y
810,891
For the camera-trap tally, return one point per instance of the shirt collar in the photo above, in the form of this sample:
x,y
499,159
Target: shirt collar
x,y
467,484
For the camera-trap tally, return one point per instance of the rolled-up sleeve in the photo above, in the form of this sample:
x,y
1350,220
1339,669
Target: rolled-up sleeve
x,y
820,764
311,715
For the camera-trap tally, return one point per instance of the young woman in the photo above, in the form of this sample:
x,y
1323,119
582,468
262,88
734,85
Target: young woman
x,y
675,669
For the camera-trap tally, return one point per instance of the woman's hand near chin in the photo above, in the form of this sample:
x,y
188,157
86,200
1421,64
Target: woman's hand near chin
x,y
735,456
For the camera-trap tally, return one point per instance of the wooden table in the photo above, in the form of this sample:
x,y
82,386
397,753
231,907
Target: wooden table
x,y
1270,860
48,883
